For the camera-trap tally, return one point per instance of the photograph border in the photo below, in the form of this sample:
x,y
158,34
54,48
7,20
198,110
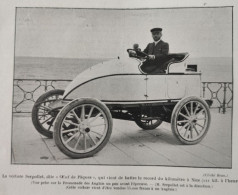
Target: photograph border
x,y
129,165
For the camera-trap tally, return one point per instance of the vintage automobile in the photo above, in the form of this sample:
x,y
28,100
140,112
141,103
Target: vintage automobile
x,y
80,117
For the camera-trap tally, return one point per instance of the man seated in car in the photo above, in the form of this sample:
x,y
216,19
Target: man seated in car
x,y
157,52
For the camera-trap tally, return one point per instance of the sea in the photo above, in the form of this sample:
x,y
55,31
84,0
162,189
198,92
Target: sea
x,y
214,69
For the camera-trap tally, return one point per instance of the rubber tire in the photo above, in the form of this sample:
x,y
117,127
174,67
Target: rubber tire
x,y
34,113
177,108
64,112
146,127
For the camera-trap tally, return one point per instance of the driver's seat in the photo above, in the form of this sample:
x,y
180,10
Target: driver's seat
x,y
160,65
178,57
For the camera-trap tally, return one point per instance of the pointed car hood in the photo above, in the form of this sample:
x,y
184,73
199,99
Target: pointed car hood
x,y
112,67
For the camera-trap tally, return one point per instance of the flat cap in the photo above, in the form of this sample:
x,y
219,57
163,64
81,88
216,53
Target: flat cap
x,y
155,29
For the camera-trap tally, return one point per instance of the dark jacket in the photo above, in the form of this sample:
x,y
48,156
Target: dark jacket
x,y
158,65
161,49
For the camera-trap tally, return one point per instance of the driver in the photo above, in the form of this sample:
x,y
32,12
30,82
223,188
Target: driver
x,y
157,52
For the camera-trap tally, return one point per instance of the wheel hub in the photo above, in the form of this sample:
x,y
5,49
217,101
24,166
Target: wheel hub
x,y
192,119
87,130
83,127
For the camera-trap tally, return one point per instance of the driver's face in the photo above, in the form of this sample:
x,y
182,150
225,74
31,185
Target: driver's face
x,y
156,35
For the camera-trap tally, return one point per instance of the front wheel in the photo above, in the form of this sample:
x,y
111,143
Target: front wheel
x,y
82,128
190,120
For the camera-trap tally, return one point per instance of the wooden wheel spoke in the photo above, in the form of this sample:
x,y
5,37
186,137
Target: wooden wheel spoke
x,y
68,130
195,111
97,133
97,125
191,107
43,110
43,114
191,132
40,111
42,117
184,116
95,118
187,129
76,144
51,124
195,128
199,125
186,109
182,121
46,120
94,142
90,113
76,116
71,123
82,115
199,119
44,107
73,136
85,141
200,112
184,126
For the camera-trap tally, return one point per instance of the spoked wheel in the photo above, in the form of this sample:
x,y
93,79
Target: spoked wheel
x,y
41,117
148,123
190,120
82,128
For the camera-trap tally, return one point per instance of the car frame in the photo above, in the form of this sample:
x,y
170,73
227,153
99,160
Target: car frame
x,y
80,117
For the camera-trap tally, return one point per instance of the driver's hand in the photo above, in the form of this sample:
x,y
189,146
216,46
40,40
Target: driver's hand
x,y
132,53
151,57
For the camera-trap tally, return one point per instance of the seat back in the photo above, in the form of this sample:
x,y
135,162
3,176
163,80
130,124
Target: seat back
x,y
175,58
161,64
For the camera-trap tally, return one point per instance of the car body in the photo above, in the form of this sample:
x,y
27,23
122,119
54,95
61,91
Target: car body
x,y
121,89
122,81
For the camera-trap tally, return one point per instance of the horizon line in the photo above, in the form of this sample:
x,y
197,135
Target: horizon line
x,y
112,57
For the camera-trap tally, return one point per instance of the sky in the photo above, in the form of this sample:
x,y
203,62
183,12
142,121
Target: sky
x,y
107,33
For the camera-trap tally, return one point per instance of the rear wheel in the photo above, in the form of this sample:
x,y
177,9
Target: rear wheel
x,y
190,120
41,117
148,123
82,128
